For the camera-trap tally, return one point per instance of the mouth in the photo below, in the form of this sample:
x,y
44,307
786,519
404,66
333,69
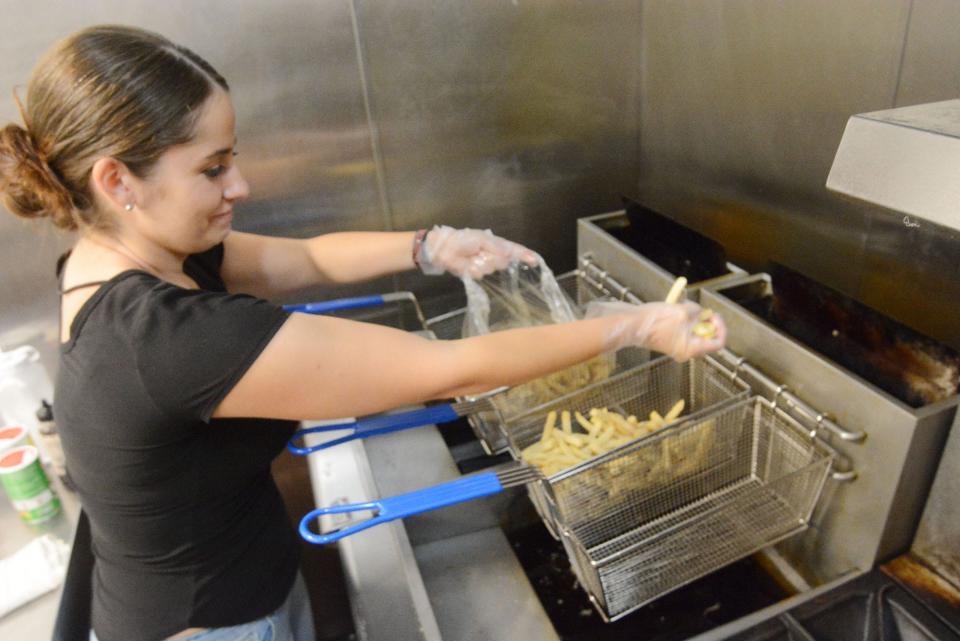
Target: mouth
x,y
223,217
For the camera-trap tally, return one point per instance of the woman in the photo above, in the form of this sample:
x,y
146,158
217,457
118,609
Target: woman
x,y
179,381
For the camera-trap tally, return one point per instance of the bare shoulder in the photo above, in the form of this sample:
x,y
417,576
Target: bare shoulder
x,y
84,272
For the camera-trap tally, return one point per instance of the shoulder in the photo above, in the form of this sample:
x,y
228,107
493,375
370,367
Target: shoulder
x,y
151,311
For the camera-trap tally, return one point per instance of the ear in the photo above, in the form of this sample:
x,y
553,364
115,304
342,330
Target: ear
x,y
113,183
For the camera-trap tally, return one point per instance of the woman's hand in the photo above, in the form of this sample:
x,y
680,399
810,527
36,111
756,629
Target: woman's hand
x,y
682,331
472,253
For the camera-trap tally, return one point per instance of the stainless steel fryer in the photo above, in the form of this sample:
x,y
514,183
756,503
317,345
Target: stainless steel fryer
x,y
599,253
892,445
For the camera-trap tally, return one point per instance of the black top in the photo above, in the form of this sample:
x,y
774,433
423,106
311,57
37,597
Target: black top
x,y
188,528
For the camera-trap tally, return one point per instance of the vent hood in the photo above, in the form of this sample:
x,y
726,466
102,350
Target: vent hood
x,y
905,159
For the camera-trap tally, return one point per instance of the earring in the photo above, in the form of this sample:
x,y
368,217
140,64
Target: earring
x,y
128,207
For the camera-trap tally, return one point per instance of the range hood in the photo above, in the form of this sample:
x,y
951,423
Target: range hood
x,y
905,159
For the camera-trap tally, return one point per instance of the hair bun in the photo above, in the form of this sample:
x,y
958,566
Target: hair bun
x,y
30,188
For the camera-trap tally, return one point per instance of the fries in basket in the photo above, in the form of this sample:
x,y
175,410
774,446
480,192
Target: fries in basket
x,y
579,438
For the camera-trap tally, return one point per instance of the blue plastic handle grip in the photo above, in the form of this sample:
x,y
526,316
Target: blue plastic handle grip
x,y
403,505
340,304
382,424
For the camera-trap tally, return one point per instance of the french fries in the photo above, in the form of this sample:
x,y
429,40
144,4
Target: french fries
x,y
601,431
522,397
704,327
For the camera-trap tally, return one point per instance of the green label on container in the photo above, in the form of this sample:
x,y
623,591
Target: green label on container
x,y
29,491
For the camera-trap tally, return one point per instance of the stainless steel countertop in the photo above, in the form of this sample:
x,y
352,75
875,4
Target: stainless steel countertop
x,y
448,574
35,619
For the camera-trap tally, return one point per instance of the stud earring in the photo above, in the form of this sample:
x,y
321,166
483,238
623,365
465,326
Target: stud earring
x,y
128,207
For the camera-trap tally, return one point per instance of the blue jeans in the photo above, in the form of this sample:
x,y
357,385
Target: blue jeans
x,y
292,621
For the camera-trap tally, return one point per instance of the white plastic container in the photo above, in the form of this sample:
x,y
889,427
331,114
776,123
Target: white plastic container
x,y
24,383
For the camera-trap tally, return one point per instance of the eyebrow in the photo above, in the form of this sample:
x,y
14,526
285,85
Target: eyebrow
x,y
222,152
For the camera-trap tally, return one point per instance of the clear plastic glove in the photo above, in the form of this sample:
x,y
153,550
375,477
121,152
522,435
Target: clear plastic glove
x,y
682,331
472,253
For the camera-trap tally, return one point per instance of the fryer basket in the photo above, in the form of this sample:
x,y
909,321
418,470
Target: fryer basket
x,y
755,482
565,499
489,425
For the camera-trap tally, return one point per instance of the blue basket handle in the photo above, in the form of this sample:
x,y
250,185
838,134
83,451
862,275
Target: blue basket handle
x,y
403,505
337,305
381,424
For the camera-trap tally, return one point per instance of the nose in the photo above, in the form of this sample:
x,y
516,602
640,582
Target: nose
x,y
237,187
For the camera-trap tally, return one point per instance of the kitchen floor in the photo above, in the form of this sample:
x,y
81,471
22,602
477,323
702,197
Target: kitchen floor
x,y
321,564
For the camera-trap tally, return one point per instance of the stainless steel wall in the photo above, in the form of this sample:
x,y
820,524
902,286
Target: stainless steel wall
x,y
518,116
522,115
302,126
743,106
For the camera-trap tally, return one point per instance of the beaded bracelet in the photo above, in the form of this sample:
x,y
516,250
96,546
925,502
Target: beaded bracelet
x,y
418,239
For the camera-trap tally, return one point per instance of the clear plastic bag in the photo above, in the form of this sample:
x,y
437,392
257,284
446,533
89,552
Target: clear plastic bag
x,y
529,296
519,296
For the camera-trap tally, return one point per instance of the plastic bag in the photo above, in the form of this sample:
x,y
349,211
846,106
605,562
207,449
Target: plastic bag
x,y
525,296
519,296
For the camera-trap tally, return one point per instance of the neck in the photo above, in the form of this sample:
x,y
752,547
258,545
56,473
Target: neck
x,y
166,267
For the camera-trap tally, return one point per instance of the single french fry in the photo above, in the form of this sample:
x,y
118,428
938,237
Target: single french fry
x,y
583,422
548,425
674,411
565,422
674,294
598,422
564,447
576,440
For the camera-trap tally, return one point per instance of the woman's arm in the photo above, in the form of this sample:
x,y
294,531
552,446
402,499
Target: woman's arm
x,y
319,367
271,267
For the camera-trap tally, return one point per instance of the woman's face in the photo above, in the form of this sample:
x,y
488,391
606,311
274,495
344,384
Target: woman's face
x,y
185,204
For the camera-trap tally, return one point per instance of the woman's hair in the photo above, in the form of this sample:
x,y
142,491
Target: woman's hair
x,y
106,91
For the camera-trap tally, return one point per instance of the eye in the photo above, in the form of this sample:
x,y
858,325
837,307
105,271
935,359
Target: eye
x,y
217,170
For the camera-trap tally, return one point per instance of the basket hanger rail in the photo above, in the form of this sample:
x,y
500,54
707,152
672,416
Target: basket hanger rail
x,y
597,276
781,393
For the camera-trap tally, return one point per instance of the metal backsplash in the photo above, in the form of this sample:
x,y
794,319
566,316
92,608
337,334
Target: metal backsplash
x,y
744,104
518,116
524,115
353,114
302,129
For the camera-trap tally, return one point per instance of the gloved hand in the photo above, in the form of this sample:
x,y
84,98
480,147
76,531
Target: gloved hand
x,y
469,252
682,331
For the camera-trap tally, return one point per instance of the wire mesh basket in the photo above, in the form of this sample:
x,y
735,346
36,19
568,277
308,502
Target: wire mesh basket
x,y
748,476
488,425
702,384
